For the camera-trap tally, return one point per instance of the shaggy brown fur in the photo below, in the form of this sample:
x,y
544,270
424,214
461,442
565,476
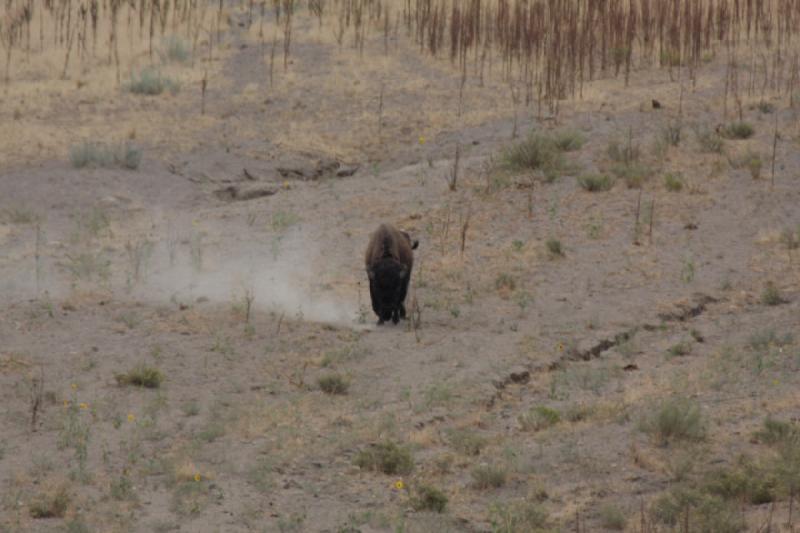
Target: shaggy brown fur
x,y
389,260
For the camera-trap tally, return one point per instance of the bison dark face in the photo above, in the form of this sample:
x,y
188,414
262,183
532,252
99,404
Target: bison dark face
x,y
388,284
389,260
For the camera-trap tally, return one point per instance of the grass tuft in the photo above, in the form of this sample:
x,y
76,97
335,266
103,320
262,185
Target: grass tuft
x,y
86,153
141,376
51,505
537,152
428,498
488,477
778,432
612,517
738,130
386,457
771,295
673,182
675,419
175,49
465,441
539,418
708,512
569,140
634,174
333,384
517,517
554,248
710,141
151,82
596,182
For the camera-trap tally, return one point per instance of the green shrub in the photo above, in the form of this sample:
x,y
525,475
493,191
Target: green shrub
x,y
175,49
505,281
766,107
626,154
465,441
539,418
427,498
151,82
537,152
751,161
634,174
88,153
675,419
386,457
710,141
611,517
596,182
554,247
673,182
522,517
708,513
738,130
141,376
745,482
569,140
778,432
771,295
791,238
333,384
680,349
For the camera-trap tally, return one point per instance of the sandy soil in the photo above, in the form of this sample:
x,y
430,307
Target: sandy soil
x,y
230,261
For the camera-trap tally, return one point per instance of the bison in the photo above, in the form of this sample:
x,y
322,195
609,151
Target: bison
x,y
389,260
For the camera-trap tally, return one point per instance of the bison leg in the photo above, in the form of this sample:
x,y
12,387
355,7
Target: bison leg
x,y
395,316
373,298
403,294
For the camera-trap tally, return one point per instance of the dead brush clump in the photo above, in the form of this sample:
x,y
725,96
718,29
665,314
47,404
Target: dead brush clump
x,y
386,457
488,476
466,442
51,504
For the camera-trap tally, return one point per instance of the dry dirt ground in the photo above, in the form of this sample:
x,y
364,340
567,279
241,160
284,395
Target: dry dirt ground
x,y
618,385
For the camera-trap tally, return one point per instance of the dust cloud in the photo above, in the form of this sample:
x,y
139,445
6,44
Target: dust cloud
x,y
285,273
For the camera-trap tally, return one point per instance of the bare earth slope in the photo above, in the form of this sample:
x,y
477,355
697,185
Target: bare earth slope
x,y
567,367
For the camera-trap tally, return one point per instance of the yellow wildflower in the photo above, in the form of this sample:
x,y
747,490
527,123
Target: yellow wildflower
x,y
131,417
421,139
399,485
197,476
83,405
74,386
66,403
560,347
